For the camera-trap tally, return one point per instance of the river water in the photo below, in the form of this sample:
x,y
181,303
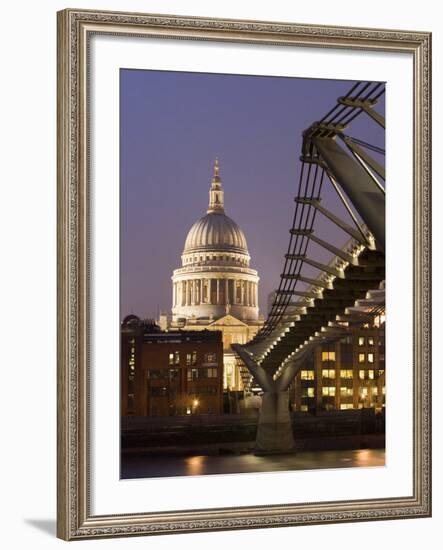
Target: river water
x,y
144,466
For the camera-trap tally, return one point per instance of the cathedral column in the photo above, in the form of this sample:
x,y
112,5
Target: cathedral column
x,y
242,287
218,291
226,291
192,293
199,291
210,291
256,294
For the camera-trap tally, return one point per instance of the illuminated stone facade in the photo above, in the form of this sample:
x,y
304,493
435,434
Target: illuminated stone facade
x,y
215,288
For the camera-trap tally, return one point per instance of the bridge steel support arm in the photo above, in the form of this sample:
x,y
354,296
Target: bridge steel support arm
x,y
284,381
259,373
366,197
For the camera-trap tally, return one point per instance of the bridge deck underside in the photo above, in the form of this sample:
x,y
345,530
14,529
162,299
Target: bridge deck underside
x,y
358,279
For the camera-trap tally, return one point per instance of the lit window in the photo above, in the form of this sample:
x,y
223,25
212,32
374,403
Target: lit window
x,y
171,358
370,357
328,390
346,391
361,357
375,391
192,374
345,406
177,358
328,373
346,373
194,358
188,359
371,374
307,375
361,374
311,392
210,358
361,340
370,341
212,373
328,355
304,408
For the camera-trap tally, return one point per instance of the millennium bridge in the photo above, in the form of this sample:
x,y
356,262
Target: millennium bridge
x,y
325,289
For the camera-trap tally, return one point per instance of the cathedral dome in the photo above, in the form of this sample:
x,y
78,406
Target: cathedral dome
x,y
215,278
215,231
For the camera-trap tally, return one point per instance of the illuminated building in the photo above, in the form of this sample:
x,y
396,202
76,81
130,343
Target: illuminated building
x,y
346,374
215,288
169,373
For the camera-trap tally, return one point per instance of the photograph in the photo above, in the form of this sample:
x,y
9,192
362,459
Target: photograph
x,y
233,278
252,274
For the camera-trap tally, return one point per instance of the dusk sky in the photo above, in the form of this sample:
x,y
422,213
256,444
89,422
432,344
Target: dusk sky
x,y
173,125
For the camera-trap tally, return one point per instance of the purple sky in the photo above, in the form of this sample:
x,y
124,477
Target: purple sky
x,y
173,125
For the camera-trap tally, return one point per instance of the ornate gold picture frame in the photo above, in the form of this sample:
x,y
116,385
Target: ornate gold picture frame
x,y
76,28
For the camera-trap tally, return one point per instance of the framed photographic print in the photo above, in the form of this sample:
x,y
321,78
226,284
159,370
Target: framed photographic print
x,y
243,274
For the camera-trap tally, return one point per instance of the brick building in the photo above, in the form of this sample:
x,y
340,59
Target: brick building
x,y
170,373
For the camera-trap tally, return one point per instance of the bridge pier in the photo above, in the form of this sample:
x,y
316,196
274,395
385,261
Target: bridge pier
x,y
274,431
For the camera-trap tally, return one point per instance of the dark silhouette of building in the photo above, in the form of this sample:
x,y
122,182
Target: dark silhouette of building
x,y
170,373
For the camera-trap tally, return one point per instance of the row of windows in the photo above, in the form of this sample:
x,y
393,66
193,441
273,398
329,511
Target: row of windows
x,y
344,373
216,258
366,341
191,358
196,374
365,357
174,374
362,357
330,391
162,391
343,406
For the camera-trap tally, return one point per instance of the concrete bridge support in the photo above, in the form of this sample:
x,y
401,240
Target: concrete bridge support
x,y
274,431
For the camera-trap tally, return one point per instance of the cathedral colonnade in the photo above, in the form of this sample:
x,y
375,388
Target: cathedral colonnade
x,y
215,291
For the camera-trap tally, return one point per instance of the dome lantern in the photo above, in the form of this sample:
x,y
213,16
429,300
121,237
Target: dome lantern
x,y
216,194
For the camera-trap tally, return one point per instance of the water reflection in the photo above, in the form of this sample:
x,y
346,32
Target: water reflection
x,y
139,466
194,465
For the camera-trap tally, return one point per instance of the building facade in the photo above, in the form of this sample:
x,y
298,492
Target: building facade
x,y
215,288
346,374
170,373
